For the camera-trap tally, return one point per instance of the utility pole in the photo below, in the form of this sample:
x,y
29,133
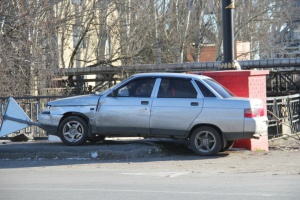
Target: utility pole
x,y
228,63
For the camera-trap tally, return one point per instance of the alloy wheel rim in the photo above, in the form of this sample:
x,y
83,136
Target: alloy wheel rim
x,y
205,141
73,131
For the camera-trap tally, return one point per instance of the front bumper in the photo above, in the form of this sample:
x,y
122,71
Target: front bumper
x,y
49,123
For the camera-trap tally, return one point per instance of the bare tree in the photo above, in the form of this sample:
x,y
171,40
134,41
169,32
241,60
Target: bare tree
x,y
39,35
261,23
27,45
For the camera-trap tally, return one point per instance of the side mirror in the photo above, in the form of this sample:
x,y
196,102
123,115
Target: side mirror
x,y
114,93
123,92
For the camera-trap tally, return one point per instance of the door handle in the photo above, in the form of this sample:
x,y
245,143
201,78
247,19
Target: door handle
x,y
194,104
145,102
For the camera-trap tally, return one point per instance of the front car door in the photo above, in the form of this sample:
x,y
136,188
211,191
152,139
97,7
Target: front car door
x,y
127,111
175,108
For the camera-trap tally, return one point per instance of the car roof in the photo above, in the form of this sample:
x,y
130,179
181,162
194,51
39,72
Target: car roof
x,y
168,74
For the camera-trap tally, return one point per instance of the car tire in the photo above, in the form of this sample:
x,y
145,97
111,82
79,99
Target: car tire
x,y
73,131
227,146
205,141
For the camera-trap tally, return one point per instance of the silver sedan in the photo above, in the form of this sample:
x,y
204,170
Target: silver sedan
x,y
165,105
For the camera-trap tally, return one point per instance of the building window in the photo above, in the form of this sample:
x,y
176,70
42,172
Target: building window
x,y
2,20
77,36
76,2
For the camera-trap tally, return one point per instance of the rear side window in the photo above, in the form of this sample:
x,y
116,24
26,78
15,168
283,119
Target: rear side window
x,y
221,90
176,88
205,91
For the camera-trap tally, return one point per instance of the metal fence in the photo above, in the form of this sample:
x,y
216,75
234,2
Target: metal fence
x,y
283,113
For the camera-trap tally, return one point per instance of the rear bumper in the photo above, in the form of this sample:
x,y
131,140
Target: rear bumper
x,y
254,135
253,128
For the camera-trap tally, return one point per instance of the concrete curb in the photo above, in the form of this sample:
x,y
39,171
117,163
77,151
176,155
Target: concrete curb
x,y
56,150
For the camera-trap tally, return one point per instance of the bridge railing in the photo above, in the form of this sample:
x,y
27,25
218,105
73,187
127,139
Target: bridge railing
x,y
283,113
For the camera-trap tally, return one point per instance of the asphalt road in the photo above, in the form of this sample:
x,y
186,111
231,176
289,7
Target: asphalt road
x,y
144,169
116,181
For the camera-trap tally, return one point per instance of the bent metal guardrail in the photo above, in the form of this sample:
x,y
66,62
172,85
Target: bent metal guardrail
x,y
31,106
283,115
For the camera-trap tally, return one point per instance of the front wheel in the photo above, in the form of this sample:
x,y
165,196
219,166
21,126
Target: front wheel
x,y
205,141
73,131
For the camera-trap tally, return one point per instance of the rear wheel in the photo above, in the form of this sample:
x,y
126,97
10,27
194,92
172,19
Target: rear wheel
x,y
73,131
205,141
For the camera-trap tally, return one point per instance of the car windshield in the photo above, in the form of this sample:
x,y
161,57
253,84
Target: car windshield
x,y
221,90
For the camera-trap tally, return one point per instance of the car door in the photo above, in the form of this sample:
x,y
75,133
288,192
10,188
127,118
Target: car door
x,y
127,111
175,107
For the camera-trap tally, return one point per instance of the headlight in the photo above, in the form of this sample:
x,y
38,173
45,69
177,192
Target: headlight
x,y
54,108
46,110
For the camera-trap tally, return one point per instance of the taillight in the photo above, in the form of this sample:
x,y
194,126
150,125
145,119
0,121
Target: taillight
x,y
254,112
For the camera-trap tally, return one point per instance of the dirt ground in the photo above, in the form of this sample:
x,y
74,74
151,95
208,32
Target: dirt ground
x,y
285,143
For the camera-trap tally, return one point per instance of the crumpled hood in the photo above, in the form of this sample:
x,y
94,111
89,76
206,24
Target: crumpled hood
x,y
84,100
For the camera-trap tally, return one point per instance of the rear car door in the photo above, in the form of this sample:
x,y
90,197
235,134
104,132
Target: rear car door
x,y
128,110
175,107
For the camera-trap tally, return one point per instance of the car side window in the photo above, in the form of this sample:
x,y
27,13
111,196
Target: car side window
x,y
176,88
137,88
205,91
